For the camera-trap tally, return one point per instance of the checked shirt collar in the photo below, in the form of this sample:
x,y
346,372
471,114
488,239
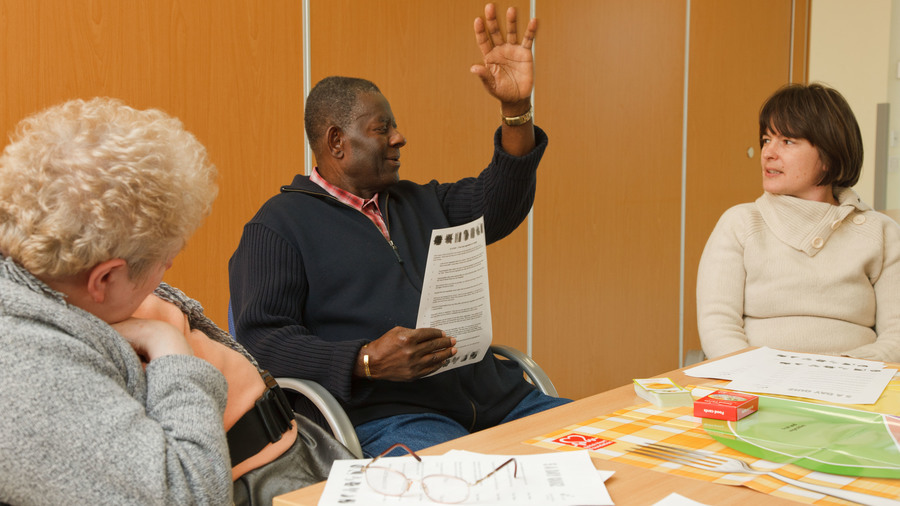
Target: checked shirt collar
x,y
367,207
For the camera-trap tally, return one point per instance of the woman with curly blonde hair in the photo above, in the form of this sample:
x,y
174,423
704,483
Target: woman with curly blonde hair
x,y
84,182
116,387
96,198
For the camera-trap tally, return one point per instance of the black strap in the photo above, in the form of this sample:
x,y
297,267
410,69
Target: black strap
x,y
265,423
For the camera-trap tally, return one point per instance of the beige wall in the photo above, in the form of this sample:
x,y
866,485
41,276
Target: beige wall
x,y
848,49
893,77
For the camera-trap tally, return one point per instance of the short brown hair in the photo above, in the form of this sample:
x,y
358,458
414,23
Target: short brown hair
x,y
822,116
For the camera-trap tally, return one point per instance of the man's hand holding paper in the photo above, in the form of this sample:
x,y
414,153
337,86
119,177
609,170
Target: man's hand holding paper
x,y
404,354
455,291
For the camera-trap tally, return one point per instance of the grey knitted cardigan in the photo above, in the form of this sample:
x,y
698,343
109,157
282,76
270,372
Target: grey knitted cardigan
x,y
83,422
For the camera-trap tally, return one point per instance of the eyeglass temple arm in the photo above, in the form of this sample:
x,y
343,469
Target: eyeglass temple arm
x,y
398,445
515,470
401,445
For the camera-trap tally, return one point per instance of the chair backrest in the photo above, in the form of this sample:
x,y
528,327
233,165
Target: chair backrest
x,y
230,319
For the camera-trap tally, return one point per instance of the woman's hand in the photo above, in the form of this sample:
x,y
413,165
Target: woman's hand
x,y
152,339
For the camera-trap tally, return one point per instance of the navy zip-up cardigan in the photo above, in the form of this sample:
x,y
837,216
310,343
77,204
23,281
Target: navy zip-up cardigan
x,y
313,280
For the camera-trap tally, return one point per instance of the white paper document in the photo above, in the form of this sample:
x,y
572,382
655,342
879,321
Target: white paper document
x,y
841,380
455,295
675,499
546,479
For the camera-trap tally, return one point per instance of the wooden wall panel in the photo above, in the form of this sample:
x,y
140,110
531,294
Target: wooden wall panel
x,y
800,63
734,66
609,92
419,54
230,69
607,217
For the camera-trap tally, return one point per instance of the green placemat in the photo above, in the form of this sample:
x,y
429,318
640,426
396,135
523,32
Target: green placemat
x,y
819,437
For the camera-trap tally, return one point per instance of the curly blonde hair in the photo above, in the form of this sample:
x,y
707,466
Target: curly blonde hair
x,y
84,182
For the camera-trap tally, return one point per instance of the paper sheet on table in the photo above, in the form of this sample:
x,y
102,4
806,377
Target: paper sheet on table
x,y
841,380
675,499
455,295
546,479
598,493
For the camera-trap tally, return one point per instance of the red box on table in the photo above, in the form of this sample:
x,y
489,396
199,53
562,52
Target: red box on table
x,y
726,405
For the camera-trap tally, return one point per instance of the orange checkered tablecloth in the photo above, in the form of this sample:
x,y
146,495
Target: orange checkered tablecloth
x,y
610,437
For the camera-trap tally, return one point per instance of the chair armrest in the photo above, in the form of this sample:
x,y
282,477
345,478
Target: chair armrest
x,y
340,424
534,372
334,414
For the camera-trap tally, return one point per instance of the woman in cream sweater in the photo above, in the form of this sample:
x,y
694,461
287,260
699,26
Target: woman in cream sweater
x,y
808,266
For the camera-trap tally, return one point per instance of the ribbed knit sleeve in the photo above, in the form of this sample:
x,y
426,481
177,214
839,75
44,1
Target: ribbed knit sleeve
x,y
503,192
887,292
720,285
268,292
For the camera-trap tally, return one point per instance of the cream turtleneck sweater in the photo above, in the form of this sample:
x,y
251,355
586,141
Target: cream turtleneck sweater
x,y
804,276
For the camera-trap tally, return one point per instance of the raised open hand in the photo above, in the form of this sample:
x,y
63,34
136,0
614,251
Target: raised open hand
x,y
508,69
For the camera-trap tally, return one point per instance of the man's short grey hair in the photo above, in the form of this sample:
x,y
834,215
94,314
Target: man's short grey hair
x,y
332,102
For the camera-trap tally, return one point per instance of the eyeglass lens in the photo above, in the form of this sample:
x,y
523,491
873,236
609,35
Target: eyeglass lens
x,y
438,487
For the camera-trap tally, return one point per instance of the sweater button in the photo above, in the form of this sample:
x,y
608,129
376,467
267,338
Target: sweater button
x,y
835,224
859,219
818,242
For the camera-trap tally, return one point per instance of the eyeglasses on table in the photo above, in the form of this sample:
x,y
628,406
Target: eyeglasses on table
x,y
442,488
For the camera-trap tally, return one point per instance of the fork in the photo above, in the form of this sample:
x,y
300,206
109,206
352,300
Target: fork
x,y
718,463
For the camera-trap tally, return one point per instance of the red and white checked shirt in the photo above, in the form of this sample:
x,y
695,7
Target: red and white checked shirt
x,y
368,207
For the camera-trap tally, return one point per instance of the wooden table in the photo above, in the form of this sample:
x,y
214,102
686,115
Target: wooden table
x,y
629,486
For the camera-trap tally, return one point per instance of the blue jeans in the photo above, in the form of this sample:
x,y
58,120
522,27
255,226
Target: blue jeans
x,y
421,430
